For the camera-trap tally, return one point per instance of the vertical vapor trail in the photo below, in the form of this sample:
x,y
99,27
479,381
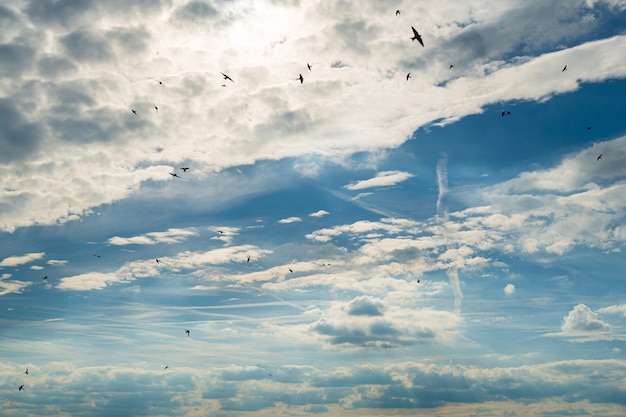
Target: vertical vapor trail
x,y
455,284
442,183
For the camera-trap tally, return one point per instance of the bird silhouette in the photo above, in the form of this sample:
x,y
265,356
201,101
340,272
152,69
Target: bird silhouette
x,y
308,66
301,79
226,77
564,68
20,388
398,12
185,169
290,270
173,174
588,127
599,157
97,256
46,277
248,261
505,113
166,366
408,76
157,260
26,371
157,109
134,112
451,66
187,331
416,36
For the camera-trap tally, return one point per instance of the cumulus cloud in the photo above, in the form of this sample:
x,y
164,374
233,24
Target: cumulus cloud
x,y
290,220
319,213
509,289
382,179
582,324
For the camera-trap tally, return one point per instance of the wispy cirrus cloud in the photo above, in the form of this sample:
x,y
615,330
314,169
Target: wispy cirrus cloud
x,y
169,236
382,179
21,259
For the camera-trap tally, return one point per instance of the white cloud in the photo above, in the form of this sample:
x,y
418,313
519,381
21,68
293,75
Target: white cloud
x,y
97,90
290,220
319,213
583,325
442,182
509,289
382,179
21,259
616,309
170,236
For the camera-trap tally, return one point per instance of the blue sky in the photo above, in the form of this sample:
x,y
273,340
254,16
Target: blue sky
x,y
356,244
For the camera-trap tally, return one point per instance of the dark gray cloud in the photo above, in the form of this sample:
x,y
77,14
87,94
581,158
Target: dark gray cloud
x,y
83,45
66,13
365,306
18,137
15,59
379,334
285,124
356,35
55,66
196,9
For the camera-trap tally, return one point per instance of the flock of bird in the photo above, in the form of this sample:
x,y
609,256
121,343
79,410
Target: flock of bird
x,y
416,37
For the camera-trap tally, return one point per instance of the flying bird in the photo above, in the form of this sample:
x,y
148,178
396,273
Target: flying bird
x,y
185,169
134,112
248,261
506,113
588,127
564,68
187,331
301,79
221,232
26,371
419,281
226,77
290,270
97,256
166,366
20,388
451,66
398,12
308,66
599,157
46,277
416,36
408,76
157,109
173,174
157,260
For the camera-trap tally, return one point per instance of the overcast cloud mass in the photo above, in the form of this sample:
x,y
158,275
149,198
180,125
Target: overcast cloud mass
x,y
282,207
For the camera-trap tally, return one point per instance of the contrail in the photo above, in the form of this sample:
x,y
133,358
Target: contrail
x,y
455,284
442,182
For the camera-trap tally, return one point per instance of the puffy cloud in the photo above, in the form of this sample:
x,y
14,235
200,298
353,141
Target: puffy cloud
x,y
290,220
582,319
319,213
509,289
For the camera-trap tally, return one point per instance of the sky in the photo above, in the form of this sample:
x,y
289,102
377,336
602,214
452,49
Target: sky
x,y
429,230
